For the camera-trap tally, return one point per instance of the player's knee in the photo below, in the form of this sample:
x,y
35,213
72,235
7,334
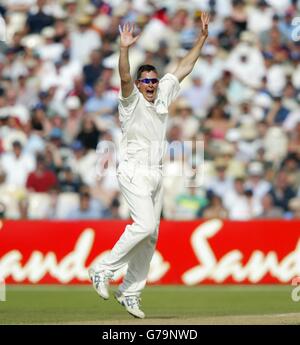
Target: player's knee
x,y
154,233
154,226
153,238
149,228
154,229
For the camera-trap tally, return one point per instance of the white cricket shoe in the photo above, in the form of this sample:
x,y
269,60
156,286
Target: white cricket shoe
x,y
131,304
101,281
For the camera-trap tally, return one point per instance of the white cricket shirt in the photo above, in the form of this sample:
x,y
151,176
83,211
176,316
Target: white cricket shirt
x,y
144,124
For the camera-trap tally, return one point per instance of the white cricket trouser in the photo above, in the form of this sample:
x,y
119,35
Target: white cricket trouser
x,y
141,187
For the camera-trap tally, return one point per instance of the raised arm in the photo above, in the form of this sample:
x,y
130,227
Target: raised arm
x,y
187,63
126,40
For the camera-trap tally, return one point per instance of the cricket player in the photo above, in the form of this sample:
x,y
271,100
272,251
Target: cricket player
x,y
143,110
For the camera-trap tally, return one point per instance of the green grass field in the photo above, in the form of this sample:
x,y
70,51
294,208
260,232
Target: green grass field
x,y
162,305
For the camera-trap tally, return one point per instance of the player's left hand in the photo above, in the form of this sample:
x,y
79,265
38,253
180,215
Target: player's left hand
x,y
126,34
205,21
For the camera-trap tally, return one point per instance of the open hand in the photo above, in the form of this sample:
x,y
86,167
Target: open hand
x,y
126,33
205,21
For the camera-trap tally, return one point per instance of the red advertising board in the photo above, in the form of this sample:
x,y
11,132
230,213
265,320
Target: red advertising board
x,y
190,253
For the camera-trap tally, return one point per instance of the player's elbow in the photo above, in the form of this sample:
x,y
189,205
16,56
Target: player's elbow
x,y
125,78
182,71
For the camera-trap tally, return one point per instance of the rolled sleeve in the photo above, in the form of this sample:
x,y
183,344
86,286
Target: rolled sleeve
x,y
129,101
168,88
128,104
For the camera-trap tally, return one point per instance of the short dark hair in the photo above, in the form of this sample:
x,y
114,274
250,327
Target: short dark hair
x,y
40,158
145,68
85,195
17,143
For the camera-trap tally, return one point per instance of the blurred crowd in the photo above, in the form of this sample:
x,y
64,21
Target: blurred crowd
x,y
237,116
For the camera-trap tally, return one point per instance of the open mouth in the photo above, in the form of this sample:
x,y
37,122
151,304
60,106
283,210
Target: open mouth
x,y
150,93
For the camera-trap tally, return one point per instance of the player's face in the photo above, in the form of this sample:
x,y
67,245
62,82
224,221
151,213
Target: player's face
x,y
148,84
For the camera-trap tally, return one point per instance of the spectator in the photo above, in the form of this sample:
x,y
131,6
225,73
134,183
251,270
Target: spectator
x,y
102,102
239,15
53,157
278,113
256,181
161,57
88,209
80,90
114,210
69,182
198,96
72,10
240,202
275,144
275,77
294,143
50,50
246,62
83,163
294,206
38,19
291,166
26,96
249,143
289,98
210,67
17,165
39,121
72,124
217,121
15,109
89,134
260,17
220,184
228,38
84,40
292,119
42,180
266,36
285,26
215,208
56,137
282,191
189,204
61,27
93,70
185,119
270,211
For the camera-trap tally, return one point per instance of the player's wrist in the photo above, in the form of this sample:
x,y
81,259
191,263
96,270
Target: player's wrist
x,y
204,32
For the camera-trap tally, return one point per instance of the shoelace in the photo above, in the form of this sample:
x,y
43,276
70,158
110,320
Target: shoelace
x,y
102,278
133,301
